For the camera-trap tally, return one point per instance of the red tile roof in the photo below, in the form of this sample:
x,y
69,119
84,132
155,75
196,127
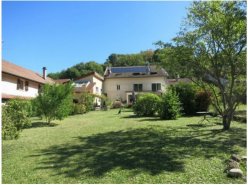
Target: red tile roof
x,y
62,81
13,69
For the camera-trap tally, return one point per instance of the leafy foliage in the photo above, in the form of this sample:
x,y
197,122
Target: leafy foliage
x,y
146,104
170,106
216,33
54,101
84,103
141,58
78,70
172,59
202,100
193,98
15,117
187,94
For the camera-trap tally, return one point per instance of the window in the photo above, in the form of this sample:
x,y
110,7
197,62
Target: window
x,y
39,88
156,86
26,85
97,89
20,84
118,87
137,87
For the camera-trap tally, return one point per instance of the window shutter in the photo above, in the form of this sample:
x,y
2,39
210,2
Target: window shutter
x,y
26,85
18,84
159,87
153,87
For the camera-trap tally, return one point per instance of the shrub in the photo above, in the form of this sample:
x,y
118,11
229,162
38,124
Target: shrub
x,y
87,100
15,117
79,108
146,104
170,106
117,104
203,100
54,101
187,94
84,103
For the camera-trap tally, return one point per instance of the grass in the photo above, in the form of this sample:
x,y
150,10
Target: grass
x,y
103,147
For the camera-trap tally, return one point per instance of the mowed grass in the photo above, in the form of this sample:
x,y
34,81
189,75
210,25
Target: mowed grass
x,y
103,147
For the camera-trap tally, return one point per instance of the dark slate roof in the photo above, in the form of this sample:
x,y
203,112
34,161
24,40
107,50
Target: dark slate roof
x,y
134,72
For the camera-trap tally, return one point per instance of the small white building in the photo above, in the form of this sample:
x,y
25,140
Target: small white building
x,y
120,83
92,83
18,82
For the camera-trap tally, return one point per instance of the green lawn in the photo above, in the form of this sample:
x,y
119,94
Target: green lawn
x,y
103,147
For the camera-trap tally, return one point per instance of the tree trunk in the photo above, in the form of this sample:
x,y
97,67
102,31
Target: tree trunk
x,y
226,120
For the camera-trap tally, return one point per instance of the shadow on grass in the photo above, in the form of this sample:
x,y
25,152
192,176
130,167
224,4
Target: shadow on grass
x,y
153,150
41,124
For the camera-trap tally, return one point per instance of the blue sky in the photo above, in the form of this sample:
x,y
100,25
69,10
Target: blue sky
x,y
61,34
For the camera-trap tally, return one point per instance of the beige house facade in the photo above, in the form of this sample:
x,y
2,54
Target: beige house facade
x,y
121,83
92,83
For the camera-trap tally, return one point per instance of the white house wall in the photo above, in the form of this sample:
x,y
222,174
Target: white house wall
x,y
9,86
126,84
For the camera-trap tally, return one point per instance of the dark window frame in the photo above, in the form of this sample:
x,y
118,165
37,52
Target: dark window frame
x,y
118,87
156,87
138,87
20,84
26,85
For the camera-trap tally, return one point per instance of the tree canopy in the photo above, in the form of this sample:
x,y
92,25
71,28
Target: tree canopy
x,y
137,59
78,70
215,32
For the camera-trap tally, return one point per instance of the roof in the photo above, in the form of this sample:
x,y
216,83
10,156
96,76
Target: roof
x,y
13,69
95,74
134,72
62,81
179,80
85,88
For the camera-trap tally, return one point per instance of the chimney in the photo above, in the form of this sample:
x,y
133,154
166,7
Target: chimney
x,y
44,72
109,71
148,69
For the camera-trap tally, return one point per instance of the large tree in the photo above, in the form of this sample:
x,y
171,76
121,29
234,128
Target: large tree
x,y
216,33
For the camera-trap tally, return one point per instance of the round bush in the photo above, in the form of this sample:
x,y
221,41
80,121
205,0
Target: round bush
x,y
15,117
170,106
116,104
186,93
146,104
203,100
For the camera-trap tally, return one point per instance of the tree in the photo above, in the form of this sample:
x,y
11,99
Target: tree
x,y
137,59
172,59
54,101
78,70
216,33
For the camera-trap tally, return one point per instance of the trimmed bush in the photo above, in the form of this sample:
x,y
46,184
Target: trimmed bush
x,y
15,117
116,104
84,102
79,108
146,104
170,106
203,100
87,100
187,94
